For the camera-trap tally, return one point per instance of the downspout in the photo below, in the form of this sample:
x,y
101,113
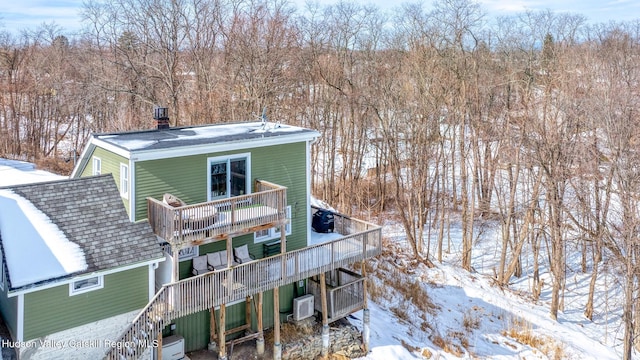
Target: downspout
x,y
308,170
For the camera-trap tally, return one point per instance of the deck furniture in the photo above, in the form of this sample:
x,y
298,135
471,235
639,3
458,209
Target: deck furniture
x,y
242,255
199,264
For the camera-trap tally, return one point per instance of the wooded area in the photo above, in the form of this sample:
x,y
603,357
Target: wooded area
x,y
437,115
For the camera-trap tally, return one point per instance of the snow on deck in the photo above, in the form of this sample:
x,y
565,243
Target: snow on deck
x,y
321,238
35,248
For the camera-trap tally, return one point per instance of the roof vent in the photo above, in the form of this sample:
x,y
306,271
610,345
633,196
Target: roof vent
x,y
161,115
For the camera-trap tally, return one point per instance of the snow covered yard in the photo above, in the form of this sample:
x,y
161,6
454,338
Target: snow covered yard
x,y
446,313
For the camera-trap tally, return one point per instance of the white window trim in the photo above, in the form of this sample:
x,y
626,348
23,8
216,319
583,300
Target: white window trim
x,y
96,170
124,182
246,156
99,285
273,232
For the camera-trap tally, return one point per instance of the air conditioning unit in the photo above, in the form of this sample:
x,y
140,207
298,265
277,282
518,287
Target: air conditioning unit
x,y
172,348
303,307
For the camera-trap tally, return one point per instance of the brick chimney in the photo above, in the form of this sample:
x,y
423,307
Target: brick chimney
x,y
161,115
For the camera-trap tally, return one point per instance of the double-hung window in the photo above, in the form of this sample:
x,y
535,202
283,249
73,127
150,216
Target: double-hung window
x,y
97,166
124,181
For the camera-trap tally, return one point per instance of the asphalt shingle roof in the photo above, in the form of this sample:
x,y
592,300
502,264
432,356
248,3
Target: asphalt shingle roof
x,y
90,212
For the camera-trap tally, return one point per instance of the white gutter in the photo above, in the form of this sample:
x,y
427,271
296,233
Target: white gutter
x,y
75,278
156,154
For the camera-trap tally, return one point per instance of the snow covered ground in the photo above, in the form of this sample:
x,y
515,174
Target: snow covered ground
x,y
468,317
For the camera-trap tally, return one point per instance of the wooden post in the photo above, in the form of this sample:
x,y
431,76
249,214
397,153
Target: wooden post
x,y
366,316
260,341
325,316
363,270
222,352
175,272
229,251
277,347
212,326
283,239
259,313
247,311
159,347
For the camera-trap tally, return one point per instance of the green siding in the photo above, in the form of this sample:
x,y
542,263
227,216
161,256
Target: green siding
x,y
286,165
110,163
52,310
9,311
186,178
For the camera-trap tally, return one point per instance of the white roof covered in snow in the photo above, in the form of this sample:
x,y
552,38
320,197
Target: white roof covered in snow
x,y
15,172
202,135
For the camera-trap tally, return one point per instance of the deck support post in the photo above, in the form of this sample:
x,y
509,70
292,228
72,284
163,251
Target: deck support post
x,y
212,329
222,346
325,316
366,332
159,346
229,251
247,312
175,271
260,341
366,316
325,341
277,347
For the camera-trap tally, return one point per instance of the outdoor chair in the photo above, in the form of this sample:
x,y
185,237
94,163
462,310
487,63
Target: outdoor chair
x,y
199,264
241,254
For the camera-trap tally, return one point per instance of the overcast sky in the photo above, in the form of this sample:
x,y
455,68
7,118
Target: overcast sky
x,y
16,15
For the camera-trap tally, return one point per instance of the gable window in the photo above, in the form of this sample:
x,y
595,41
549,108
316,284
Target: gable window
x,y
97,166
274,232
229,176
124,180
86,285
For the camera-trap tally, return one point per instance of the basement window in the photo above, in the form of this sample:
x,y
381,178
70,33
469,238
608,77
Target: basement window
x,y
86,285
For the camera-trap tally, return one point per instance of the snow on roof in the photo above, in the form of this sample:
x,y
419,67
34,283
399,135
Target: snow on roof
x,y
15,172
196,135
35,248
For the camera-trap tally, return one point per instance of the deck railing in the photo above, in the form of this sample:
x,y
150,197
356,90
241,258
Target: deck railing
x,y
212,289
219,218
345,294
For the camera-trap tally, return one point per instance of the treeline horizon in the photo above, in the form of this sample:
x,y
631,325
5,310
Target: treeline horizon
x,y
431,114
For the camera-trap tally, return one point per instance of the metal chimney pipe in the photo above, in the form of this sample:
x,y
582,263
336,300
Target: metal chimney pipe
x,y
161,115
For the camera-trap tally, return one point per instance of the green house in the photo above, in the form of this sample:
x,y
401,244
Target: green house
x,y
74,267
231,204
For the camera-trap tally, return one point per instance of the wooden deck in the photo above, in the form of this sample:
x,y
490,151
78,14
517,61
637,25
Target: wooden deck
x,y
223,219
360,241
216,220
